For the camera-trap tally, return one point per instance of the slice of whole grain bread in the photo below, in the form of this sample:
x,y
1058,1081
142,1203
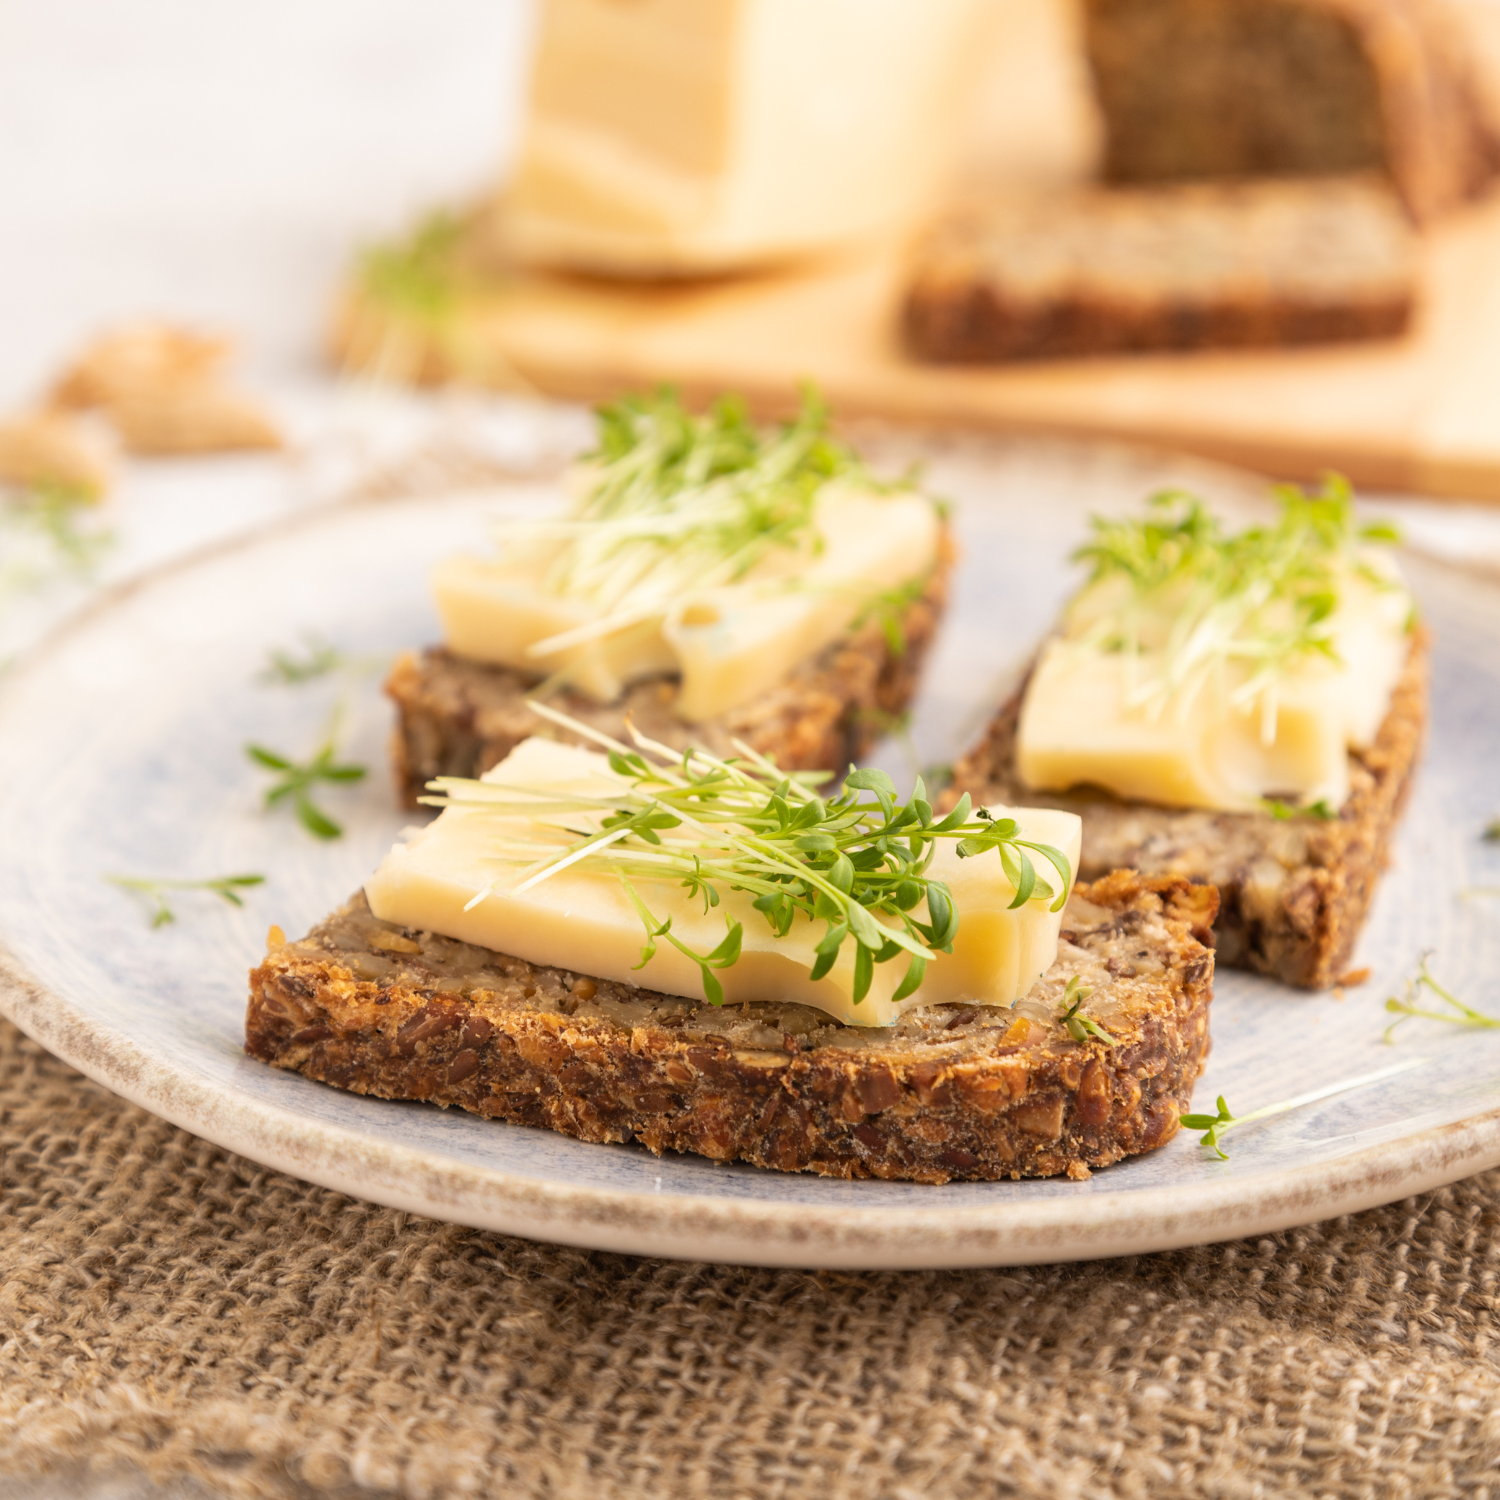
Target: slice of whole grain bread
x,y
457,717
1187,266
948,1092
1293,892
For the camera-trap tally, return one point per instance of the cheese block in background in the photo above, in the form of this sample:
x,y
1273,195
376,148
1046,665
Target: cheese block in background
x,y
730,642
667,137
1080,726
581,918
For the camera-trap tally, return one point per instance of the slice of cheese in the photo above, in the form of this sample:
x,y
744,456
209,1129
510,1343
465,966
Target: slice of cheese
x,y
729,643
581,919
671,136
1080,724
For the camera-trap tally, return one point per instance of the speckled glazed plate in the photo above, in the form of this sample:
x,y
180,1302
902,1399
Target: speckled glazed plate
x,y
121,751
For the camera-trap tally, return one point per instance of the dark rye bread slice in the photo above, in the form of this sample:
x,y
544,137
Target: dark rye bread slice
x,y
1212,265
457,717
1293,892
949,1092
1234,88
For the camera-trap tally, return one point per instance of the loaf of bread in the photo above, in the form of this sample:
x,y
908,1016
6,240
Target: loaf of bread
x,y
1237,88
949,1091
1182,266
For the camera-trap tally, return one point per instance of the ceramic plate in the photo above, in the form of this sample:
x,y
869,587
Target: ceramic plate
x,y
122,752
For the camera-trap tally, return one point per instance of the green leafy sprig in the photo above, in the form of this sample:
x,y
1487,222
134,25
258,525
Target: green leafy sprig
x,y
154,889
415,278
1491,832
1280,810
858,861
888,609
286,668
45,537
1408,1005
1264,596
296,780
1216,1125
678,501
1078,1026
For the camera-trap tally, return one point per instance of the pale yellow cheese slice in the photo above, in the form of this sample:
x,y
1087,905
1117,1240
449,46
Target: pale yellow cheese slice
x,y
1081,724
729,643
581,919
669,136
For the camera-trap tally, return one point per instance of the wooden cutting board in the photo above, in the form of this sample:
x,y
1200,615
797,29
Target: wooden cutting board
x,y
1421,414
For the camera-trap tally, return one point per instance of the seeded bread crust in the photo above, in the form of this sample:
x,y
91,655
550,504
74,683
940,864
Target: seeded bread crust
x,y
949,1092
1198,266
1293,892
458,717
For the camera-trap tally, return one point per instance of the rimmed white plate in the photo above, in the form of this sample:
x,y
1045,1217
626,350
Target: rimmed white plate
x,y
121,751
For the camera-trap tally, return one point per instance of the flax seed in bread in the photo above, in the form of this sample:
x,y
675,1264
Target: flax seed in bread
x,y
949,1092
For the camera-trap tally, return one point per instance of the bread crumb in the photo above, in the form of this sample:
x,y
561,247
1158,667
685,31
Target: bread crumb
x,y
47,447
275,938
193,419
164,390
1353,978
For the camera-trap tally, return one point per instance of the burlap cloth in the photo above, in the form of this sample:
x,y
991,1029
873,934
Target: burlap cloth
x,y
171,1310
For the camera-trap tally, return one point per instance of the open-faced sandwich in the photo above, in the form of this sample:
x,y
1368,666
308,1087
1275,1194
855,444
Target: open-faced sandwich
x,y
1243,709
711,581
707,954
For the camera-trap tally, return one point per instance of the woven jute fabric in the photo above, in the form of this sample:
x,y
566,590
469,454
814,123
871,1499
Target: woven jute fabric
x,y
173,1311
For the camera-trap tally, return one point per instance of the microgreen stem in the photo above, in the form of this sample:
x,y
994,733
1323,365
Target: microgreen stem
x,y
41,538
1261,598
1278,809
227,887
679,502
857,861
1215,1126
1460,1015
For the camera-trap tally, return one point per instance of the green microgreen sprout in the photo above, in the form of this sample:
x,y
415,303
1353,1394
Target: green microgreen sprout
x,y
1080,1027
414,278
677,502
410,308
1216,1125
1264,597
286,668
45,537
1491,832
296,779
888,609
1408,1005
1278,809
857,861
227,887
